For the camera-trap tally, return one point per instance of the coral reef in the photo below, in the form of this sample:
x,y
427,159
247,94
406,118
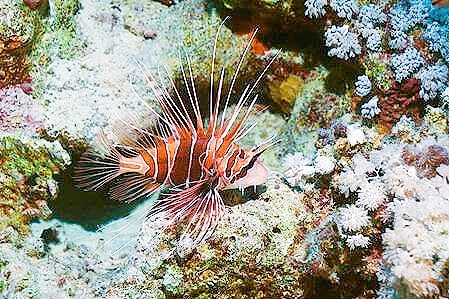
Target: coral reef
x,y
386,221
19,26
359,209
397,187
394,43
28,167
253,253
18,112
401,45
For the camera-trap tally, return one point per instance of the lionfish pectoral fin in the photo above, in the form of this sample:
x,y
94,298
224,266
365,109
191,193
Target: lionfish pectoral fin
x,y
199,207
132,186
97,167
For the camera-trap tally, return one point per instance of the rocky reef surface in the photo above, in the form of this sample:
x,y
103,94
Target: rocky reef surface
x,y
357,203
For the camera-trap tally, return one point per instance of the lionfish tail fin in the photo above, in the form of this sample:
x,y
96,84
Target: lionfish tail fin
x,y
198,207
98,166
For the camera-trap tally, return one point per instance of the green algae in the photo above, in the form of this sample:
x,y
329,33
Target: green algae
x,y
70,41
378,70
28,169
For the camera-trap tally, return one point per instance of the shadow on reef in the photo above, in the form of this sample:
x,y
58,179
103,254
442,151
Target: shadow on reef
x,y
90,209
302,37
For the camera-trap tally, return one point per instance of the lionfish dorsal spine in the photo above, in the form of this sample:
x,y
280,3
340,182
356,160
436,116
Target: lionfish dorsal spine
x,y
193,98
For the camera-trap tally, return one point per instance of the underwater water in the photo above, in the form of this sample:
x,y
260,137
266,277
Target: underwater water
x,y
126,173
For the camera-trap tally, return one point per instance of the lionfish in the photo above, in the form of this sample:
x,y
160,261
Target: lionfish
x,y
196,161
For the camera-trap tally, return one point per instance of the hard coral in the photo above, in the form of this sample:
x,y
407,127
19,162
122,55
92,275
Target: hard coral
x,y
323,109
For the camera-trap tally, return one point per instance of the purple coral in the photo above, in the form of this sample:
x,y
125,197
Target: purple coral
x,y
433,81
315,8
344,8
363,86
17,111
343,43
406,63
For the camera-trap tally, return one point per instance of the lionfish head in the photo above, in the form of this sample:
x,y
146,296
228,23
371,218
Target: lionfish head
x,y
245,171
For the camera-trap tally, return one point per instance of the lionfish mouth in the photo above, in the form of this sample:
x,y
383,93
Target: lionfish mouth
x,y
180,151
256,175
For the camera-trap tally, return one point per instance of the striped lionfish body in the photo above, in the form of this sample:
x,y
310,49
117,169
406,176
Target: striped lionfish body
x,y
197,161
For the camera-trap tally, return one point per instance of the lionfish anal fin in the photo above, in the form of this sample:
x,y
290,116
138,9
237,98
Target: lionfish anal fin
x,y
200,207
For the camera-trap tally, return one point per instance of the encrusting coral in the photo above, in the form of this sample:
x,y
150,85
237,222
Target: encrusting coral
x,y
256,251
28,168
18,28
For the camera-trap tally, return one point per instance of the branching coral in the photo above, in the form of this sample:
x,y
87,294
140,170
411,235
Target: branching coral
x,y
433,81
406,63
370,109
342,42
